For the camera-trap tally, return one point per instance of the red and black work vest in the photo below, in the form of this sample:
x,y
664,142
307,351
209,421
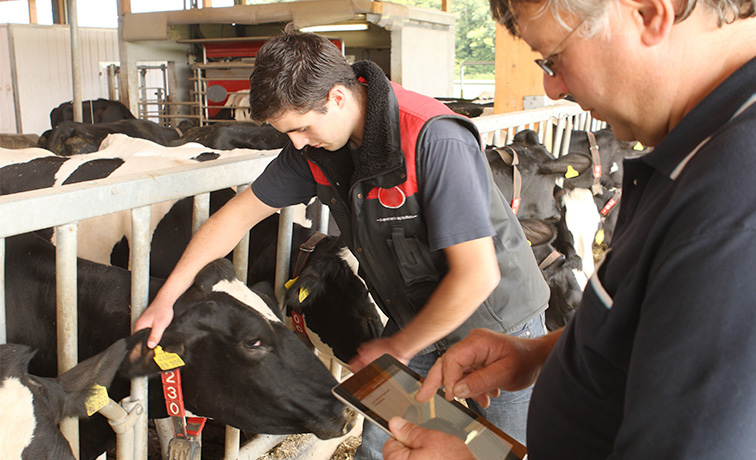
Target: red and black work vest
x,y
376,204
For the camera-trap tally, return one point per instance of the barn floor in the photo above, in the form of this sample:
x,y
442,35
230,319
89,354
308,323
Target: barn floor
x,y
292,448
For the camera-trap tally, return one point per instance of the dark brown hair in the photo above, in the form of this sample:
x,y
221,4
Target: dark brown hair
x,y
295,71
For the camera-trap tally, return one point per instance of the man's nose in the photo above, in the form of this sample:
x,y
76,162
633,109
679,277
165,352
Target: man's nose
x,y
555,87
298,140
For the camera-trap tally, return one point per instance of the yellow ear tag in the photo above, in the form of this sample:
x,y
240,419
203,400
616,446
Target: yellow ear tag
x,y
529,243
167,361
97,400
638,146
600,236
291,282
303,293
571,172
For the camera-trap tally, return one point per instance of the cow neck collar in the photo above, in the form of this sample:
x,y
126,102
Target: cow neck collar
x,y
183,427
513,160
596,161
379,158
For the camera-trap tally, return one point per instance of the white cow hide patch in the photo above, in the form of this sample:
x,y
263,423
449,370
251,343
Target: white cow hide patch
x,y
241,292
17,422
582,219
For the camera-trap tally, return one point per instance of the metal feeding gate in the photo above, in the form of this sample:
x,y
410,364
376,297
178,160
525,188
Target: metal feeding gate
x,y
64,206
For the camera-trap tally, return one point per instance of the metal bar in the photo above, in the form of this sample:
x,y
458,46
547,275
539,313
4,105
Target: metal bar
x,y
140,293
200,211
241,266
558,135
67,337
112,95
566,139
76,71
172,92
233,440
283,253
3,320
105,196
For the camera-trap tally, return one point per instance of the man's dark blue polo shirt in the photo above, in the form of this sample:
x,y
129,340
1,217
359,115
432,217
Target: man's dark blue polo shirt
x,y
660,359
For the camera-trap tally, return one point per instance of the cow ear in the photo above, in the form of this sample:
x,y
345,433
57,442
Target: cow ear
x,y
14,359
310,285
217,270
561,165
526,136
537,231
140,360
97,370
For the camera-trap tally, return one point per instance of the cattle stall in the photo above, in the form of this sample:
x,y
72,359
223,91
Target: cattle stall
x,y
64,207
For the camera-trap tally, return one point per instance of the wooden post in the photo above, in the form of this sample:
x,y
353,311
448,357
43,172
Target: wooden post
x,y
32,11
446,5
517,75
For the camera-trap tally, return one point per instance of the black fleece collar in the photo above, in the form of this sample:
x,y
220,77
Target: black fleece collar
x,y
380,158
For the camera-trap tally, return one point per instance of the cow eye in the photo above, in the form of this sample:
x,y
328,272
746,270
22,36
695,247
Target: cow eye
x,y
252,344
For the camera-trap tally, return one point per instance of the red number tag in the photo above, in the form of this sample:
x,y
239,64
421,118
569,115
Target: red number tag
x,y
174,399
298,321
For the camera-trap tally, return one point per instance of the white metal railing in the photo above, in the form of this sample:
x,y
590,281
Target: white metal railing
x,y
64,206
553,123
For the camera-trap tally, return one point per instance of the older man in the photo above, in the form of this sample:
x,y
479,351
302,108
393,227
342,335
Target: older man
x,y
659,358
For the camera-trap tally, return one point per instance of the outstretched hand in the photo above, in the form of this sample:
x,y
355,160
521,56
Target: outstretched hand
x,y
484,362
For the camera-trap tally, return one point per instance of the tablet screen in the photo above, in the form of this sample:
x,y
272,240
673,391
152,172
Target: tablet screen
x,y
387,388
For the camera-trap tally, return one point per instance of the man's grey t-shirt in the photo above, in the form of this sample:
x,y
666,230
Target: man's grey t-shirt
x,y
452,181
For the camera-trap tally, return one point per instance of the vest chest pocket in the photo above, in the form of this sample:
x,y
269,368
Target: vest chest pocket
x,y
412,257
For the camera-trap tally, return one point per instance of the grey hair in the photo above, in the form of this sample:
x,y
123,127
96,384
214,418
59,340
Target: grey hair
x,y
597,12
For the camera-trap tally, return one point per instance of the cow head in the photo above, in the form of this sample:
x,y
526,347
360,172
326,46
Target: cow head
x,y
243,367
334,301
538,170
33,406
612,152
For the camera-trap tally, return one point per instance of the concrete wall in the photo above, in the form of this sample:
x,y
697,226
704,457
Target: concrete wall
x,y
422,58
39,61
7,106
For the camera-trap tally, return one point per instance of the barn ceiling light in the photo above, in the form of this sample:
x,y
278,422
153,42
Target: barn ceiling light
x,y
335,28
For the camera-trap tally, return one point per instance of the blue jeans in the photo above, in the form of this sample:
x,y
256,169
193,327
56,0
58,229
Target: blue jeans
x,y
509,411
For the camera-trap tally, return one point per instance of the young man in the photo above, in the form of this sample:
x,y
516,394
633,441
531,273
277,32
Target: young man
x,y
411,192
657,361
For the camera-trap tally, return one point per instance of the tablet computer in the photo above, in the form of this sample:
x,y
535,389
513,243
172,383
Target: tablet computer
x,y
387,388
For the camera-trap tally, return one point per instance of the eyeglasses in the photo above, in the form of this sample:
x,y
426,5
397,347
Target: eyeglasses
x,y
547,64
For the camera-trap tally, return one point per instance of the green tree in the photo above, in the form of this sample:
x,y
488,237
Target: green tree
x,y
475,33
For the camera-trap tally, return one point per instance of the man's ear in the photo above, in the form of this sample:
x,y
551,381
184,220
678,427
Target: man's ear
x,y
654,18
338,95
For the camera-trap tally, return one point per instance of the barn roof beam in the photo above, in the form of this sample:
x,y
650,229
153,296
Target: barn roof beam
x,y
155,26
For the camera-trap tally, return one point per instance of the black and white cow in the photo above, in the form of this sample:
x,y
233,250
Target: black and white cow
x,y
532,195
335,303
338,308
558,270
31,169
325,288
243,367
234,135
94,111
34,406
71,138
611,152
